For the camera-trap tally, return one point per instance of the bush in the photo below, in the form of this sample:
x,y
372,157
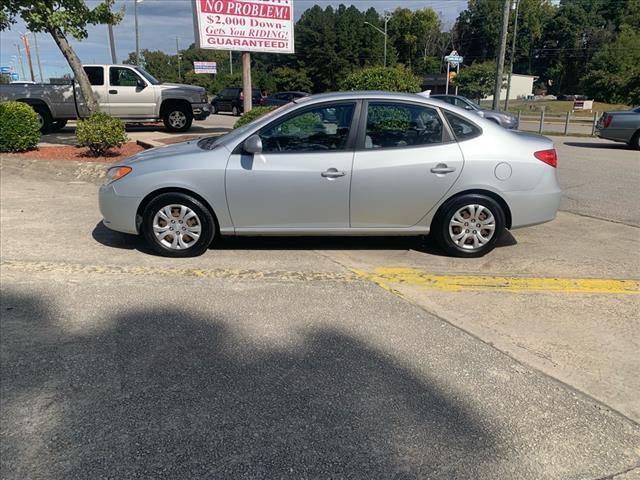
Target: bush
x,y
19,127
100,132
250,116
397,79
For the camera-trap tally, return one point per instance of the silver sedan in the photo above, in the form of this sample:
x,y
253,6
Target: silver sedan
x,y
352,163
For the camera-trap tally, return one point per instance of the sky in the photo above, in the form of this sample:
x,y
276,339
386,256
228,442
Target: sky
x,y
160,21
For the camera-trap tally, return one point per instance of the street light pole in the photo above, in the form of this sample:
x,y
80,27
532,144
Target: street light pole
x,y
20,59
35,42
513,53
386,36
178,56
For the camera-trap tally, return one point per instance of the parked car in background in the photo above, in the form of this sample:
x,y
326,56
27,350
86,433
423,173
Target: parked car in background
x,y
127,92
231,99
504,119
621,127
282,98
349,163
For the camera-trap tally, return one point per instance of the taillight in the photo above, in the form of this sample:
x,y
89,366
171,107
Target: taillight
x,y
548,156
607,120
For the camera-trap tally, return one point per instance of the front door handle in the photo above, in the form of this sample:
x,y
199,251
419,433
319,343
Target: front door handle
x,y
442,168
332,173
113,92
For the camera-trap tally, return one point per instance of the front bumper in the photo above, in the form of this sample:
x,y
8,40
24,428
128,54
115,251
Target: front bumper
x,y
118,212
200,110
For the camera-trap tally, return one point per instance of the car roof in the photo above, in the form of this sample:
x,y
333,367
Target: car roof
x,y
371,95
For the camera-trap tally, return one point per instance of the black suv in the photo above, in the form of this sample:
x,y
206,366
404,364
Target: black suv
x,y
232,100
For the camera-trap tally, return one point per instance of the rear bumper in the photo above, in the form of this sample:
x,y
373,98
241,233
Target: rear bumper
x,y
536,206
118,212
200,110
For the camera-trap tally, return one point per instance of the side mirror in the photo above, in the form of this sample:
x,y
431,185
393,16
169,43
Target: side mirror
x,y
141,84
468,107
253,144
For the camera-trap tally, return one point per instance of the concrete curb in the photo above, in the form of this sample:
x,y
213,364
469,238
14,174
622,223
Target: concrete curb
x,y
150,144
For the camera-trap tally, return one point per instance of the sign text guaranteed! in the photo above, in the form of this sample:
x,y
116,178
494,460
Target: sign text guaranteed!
x,y
250,26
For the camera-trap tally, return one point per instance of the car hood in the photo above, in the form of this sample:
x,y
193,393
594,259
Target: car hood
x,y
157,153
497,113
188,88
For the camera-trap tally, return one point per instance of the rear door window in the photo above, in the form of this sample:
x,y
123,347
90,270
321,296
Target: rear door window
x,y
397,125
95,74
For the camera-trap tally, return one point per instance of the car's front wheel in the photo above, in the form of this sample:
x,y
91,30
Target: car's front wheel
x,y
178,225
635,141
469,225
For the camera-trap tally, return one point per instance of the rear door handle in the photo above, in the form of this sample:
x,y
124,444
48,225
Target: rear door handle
x,y
113,91
442,168
332,173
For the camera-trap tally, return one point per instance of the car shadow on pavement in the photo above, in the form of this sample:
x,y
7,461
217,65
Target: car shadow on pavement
x,y
110,238
167,393
612,145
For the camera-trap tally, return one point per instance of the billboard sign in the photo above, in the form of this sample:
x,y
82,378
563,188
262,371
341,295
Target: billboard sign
x,y
248,26
454,59
205,67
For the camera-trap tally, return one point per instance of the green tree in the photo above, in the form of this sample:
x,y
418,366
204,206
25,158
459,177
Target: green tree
x,y
287,78
162,66
613,75
477,30
478,80
61,18
396,79
415,35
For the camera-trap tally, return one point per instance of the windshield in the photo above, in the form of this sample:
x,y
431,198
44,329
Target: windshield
x,y
150,78
209,143
637,110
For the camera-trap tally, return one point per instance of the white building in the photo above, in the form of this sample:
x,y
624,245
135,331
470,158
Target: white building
x,y
521,86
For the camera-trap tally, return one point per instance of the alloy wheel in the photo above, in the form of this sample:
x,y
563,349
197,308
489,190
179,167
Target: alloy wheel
x,y
177,119
177,227
472,227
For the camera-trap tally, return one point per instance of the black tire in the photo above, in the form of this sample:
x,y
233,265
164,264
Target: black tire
x,y
235,111
205,219
442,235
183,112
214,108
58,125
44,117
635,141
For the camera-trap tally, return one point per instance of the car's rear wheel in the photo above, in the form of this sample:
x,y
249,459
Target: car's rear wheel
x,y
178,225
235,111
469,225
58,125
635,141
214,107
44,118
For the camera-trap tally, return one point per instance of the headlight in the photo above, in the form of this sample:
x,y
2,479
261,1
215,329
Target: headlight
x,y
116,173
205,98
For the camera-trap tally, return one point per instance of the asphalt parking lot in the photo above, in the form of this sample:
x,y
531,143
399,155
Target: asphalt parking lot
x,y
323,357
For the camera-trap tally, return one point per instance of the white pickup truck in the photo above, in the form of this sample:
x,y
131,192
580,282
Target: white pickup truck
x,y
127,92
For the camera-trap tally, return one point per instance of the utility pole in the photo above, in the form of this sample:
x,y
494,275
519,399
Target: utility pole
x,y
502,47
246,81
112,45
25,40
178,57
20,59
135,14
230,62
196,27
35,42
513,54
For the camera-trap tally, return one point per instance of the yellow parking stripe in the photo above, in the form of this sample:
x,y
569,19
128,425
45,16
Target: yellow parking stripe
x,y
386,277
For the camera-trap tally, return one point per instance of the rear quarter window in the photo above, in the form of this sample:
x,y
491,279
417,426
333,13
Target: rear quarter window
x,y
95,74
462,128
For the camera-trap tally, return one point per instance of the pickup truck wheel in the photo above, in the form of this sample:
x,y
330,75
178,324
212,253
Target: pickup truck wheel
x,y
58,125
178,118
44,118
